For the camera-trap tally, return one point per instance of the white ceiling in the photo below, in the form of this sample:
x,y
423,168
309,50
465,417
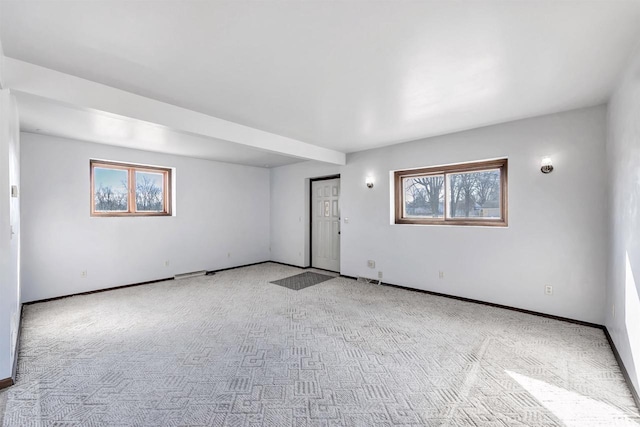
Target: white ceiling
x,y
346,75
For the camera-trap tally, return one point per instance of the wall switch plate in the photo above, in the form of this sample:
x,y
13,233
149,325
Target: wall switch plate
x,y
548,290
346,220
379,274
83,273
441,274
14,191
371,264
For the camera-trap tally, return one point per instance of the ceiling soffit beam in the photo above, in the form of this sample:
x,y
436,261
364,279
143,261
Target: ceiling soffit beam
x,y
33,79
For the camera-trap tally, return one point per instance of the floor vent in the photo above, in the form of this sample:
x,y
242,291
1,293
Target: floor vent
x,y
188,275
369,280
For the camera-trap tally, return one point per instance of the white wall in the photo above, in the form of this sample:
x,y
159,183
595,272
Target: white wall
x,y
9,222
221,208
2,66
290,206
556,232
623,165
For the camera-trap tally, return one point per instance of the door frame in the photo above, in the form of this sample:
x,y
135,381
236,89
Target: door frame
x,y
311,181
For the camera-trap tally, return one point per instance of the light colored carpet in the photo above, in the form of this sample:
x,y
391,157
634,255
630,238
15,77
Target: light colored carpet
x,y
234,350
3,403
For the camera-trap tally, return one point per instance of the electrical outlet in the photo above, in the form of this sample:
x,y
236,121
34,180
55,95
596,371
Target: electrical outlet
x,y
379,274
548,290
441,274
371,264
228,254
83,273
166,263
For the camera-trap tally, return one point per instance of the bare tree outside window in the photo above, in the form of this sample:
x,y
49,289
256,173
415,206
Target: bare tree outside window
x,y
111,194
109,200
463,194
129,190
475,194
425,196
149,194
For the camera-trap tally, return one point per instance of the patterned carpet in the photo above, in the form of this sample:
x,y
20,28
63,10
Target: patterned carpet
x,y
235,350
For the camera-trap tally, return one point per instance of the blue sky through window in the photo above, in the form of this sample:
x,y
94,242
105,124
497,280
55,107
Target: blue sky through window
x,y
154,178
113,178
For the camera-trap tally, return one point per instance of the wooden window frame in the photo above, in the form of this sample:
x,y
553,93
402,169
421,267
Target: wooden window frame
x,y
501,164
131,201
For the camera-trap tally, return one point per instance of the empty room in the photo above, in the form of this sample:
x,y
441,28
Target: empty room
x,y
313,213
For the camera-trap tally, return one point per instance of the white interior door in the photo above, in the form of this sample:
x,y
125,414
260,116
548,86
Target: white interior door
x,y
325,224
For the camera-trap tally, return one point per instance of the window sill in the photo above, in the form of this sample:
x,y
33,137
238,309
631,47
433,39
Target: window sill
x,y
463,223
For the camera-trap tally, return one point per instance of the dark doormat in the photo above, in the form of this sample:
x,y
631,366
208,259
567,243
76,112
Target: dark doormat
x,y
301,281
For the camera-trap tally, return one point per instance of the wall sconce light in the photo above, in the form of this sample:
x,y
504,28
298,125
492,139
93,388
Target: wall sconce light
x,y
545,165
369,182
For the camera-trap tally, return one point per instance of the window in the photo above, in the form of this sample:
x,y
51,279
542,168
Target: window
x,y
119,189
463,194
